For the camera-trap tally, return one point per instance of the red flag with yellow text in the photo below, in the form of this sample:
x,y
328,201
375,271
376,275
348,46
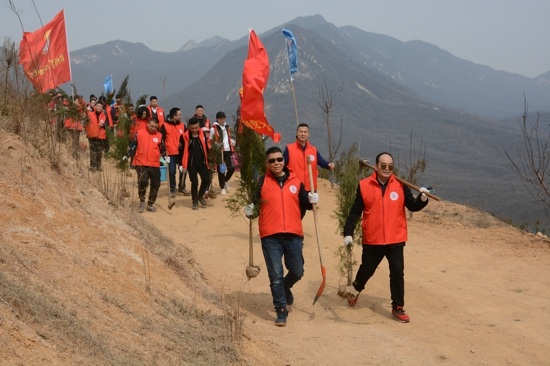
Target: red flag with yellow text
x,y
44,55
255,75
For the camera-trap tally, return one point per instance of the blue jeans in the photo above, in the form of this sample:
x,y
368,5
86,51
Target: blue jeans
x,y
275,248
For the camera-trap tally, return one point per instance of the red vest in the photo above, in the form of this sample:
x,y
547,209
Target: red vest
x,y
280,207
297,162
384,218
172,141
185,159
148,149
96,126
160,114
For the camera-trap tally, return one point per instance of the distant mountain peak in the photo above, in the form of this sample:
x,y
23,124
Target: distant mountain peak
x,y
208,43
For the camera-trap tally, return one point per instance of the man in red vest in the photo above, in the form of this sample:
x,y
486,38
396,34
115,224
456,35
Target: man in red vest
x,y
172,130
296,155
381,200
280,198
145,151
156,111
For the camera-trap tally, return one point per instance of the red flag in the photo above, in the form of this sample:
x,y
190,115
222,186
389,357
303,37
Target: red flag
x,y
255,75
45,56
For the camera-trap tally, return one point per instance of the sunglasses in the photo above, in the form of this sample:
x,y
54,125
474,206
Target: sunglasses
x,y
385,166
273,160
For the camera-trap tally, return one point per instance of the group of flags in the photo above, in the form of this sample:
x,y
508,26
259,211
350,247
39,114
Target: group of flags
x,y
44,55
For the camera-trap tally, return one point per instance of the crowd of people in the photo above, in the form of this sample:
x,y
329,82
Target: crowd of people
x,y
197,148
284,192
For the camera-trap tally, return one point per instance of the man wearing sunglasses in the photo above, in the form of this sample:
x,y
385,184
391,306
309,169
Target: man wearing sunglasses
x,y
280,197
381,201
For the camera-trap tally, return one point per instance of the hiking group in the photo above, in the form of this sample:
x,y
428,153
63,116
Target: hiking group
x,y
285,192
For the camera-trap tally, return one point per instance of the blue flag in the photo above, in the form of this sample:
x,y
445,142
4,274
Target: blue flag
x,y
108,84
292,51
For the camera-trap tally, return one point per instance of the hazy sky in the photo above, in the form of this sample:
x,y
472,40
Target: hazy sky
x,y
509,35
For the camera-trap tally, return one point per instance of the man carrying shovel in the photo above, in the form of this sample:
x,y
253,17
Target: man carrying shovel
x,y
280,198
381,200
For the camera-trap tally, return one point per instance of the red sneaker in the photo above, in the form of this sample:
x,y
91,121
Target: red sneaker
x,y
399,314
352,299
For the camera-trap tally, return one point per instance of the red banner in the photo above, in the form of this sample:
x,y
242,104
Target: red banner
x,y
255,75
45,56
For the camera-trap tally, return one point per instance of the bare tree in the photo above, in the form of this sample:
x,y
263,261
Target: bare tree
x,y
326,103
416,165
533,160
417,162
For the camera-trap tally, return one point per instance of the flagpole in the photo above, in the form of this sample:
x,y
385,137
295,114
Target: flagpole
x,y
73,87
294,97
292,88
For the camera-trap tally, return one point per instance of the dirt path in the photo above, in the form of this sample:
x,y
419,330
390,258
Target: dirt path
x,y
478,293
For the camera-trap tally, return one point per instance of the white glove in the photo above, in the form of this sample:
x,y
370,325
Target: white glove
x,y
348,241
167,160
423,192
313,197
182,169
249,210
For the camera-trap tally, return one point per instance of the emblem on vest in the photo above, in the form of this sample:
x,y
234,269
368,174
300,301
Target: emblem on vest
x,y
155,140
394,196
312,158
293,189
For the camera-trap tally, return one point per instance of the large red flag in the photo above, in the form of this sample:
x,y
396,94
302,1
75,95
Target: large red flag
x,y
45,56
255,75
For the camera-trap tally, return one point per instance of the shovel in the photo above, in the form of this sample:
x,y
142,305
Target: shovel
x,y
317,234
170,202
251,270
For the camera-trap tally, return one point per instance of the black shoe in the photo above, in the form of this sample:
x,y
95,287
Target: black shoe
x,y
202,201
151,208
195,206
282,314
289,296
183,191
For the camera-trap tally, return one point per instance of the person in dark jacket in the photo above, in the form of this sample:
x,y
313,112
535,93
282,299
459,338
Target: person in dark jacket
x,y
195,162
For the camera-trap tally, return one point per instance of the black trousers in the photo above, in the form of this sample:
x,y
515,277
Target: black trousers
x,y
224,177
194,173
96,153
371,258
148,175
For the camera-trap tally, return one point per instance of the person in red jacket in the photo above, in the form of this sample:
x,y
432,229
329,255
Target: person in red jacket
x,y
296,155
381,200
145,152
140,121
195,161
280,198
172,130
